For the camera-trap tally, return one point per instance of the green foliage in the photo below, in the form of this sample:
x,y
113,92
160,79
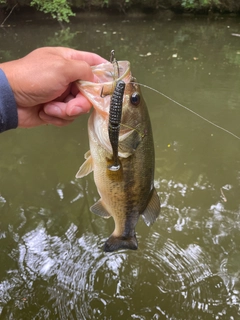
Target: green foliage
x,y
59,9
107,2
2,1
196,4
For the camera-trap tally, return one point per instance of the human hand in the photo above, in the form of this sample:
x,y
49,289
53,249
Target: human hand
x,y
44,88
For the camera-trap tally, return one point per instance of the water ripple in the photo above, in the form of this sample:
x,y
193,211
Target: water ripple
x,y
80,281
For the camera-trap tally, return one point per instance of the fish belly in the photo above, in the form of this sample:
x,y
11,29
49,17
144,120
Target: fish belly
x,y
124,193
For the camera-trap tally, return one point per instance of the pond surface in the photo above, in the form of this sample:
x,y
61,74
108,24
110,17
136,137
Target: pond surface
x,y
187,265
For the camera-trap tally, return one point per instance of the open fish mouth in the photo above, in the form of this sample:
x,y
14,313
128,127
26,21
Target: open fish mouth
x,y
105,82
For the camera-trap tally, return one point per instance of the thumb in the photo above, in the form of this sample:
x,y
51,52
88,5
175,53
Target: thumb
x,y
78,105
78,70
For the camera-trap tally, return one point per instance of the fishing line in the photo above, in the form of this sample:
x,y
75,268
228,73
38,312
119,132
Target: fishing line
x,y
184,107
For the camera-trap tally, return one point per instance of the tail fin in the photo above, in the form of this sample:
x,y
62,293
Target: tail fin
x,y
116,243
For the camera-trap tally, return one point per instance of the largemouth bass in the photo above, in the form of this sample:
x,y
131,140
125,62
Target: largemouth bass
x,y
129,191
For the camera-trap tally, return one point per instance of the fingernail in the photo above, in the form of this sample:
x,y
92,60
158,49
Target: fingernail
x,y
75,111
53,110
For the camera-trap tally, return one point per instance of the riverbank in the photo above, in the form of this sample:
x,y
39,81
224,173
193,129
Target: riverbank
x,y
126,6
151,6
63,11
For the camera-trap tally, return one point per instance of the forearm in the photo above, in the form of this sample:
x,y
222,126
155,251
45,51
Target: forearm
x,y
8,107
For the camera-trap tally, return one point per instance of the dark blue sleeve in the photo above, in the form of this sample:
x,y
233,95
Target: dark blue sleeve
x,y
8,106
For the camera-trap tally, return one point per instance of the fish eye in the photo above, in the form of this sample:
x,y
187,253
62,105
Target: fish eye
x,y
135,99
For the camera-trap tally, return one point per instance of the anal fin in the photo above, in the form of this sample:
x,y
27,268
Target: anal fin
x,y
99,209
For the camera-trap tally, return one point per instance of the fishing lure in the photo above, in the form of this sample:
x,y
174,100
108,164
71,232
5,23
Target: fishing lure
x,y
114,62
115,114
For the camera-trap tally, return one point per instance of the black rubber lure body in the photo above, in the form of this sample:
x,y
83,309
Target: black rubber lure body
x,y
115,115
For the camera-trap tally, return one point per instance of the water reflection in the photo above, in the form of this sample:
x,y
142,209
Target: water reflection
x,y
76,280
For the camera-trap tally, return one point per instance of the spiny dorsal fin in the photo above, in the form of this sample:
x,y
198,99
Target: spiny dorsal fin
x,y
86,167
99,209
152,211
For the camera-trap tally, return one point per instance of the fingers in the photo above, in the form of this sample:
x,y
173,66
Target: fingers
x,y
78,70
68,110
78,105
89,57
79,63
53,120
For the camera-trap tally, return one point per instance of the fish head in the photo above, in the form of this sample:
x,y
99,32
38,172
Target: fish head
x,y
99,92
134,107
134,110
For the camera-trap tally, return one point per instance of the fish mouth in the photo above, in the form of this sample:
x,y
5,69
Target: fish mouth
x,y
99,92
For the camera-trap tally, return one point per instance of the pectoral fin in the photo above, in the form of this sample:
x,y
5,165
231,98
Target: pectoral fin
x,y
86,167
87,154
128,143
99,209
152,211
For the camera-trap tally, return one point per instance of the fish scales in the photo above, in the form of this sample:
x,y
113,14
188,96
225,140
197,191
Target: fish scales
x,y
127,193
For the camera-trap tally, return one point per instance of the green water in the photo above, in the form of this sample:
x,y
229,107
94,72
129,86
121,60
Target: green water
x,y
187,265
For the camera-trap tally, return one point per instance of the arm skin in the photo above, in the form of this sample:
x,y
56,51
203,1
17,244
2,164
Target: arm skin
x,y
43,85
